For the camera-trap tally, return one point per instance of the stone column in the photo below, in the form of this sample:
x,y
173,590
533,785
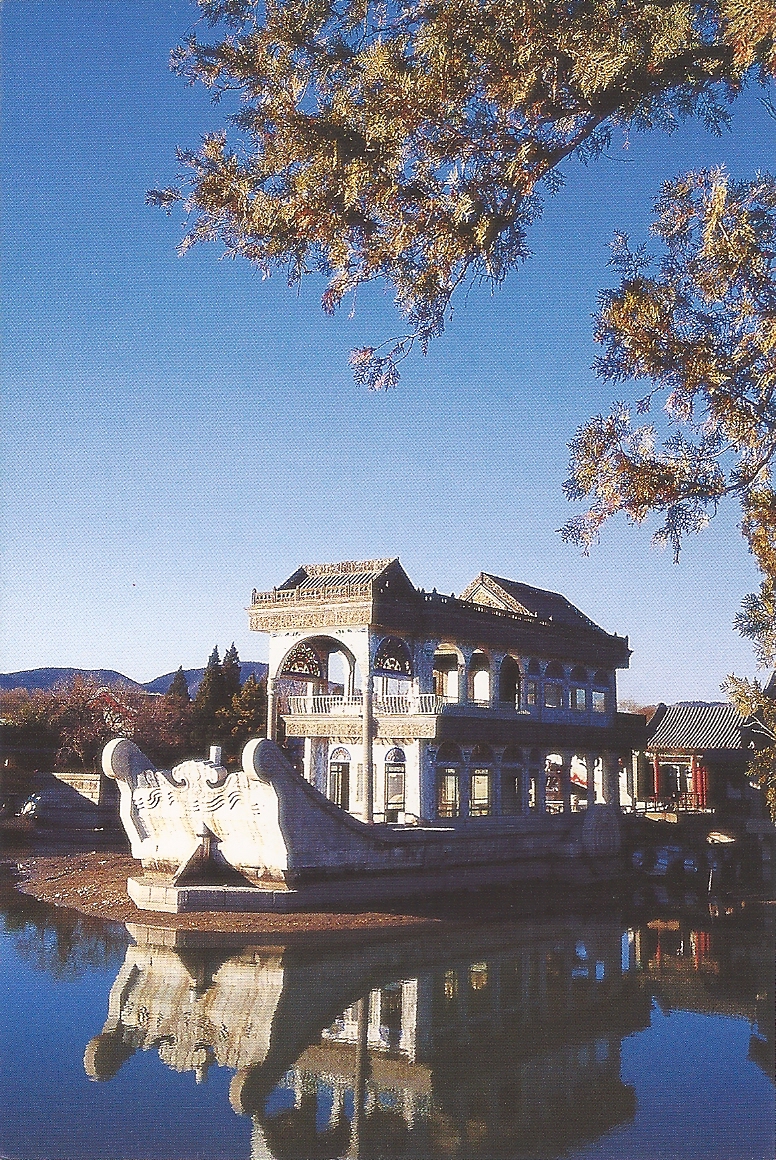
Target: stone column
x,y
656,776
525,785
495,786
359,1079
271,709
463,676
366,743
589,767
565,779
465,783
611,779
534,773
541,784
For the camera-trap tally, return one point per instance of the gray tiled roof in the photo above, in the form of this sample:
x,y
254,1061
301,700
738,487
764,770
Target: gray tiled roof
x,y
542,603
695,726
330,577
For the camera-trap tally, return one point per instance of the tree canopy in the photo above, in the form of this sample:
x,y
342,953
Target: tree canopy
x,y
411,142
699,325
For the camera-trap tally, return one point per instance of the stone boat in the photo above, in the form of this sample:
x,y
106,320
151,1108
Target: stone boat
x,y
262,838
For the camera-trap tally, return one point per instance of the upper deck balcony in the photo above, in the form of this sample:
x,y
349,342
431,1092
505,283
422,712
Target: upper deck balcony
x,y
397,705
328,705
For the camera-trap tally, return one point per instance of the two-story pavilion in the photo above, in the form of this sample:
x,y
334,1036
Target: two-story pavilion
x,y
410,704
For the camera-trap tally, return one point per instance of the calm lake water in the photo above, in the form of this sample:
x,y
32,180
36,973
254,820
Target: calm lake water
x,y
582,1037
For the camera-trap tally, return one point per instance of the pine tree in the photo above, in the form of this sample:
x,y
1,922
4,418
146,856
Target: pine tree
x,y
211,697
179,686
248,712
230,669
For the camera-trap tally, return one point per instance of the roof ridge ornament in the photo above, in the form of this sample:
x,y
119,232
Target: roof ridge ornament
x,y
377,565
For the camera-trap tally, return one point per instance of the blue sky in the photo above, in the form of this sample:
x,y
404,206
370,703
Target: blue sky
x,y
177,431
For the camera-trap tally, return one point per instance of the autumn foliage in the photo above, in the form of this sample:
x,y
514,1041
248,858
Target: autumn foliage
x,y
413,142
70,724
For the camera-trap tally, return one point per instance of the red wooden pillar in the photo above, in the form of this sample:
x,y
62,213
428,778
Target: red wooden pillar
x,y
656,768
703,786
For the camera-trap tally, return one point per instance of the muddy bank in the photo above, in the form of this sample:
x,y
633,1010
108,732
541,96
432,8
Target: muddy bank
x,y
94,883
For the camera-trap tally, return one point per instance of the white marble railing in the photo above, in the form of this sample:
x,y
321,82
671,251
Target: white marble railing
x,y
325,703
353,706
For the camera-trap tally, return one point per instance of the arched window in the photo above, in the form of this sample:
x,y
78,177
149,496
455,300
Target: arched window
x,y
479,678
578,693
509,683
303,661
553,685
448,766
339,778
395,777
599,698
393,658
480,785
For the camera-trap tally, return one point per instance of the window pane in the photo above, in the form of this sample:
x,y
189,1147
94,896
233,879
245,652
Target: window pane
x,y
530,693
578,698
448,793
599,702
553,696
339,783
479,801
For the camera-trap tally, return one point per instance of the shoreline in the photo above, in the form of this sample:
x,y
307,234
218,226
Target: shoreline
x,y
94,884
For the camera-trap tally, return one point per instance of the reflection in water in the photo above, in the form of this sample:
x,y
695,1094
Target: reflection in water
x,y
515,1040
506,1044
62,942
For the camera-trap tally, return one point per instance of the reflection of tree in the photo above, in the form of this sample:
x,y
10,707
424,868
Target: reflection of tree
x,y
62,942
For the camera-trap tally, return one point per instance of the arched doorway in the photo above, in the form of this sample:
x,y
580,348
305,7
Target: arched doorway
x,y
339,778
395,779
479,678
448,767
509,683
393,674
447,663
512,780
553,686
481,782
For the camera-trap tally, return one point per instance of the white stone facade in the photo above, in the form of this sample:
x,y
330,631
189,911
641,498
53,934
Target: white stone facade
x,y
400,704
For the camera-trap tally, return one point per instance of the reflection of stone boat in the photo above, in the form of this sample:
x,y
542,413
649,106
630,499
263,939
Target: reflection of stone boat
x,y
505,1034
263,838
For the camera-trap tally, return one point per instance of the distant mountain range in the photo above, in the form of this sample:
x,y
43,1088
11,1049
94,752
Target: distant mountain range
x,y
47,678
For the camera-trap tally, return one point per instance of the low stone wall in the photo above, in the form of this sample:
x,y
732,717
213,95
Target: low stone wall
x,y
77,800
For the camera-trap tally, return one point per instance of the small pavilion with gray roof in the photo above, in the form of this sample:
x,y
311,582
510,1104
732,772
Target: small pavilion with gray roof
x,y
698,753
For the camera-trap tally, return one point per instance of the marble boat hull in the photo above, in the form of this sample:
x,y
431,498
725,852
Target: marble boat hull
x,y
261,838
